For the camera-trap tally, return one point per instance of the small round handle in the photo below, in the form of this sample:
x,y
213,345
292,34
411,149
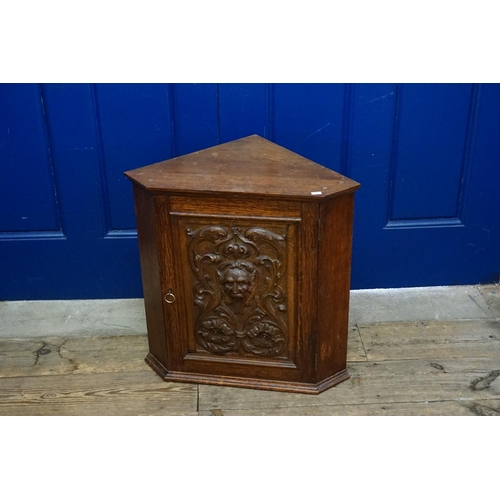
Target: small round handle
x,y
169,297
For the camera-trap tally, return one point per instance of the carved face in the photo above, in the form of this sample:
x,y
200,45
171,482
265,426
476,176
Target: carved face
x,y
237,283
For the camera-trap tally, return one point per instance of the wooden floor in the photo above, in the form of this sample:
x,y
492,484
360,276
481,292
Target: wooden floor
x,y
397,368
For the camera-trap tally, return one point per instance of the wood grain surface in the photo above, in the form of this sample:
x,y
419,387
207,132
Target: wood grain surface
x,y
437,368
428,339
131,393
252,165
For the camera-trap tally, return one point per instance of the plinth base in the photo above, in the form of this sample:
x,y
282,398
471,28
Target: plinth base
x,y
246,383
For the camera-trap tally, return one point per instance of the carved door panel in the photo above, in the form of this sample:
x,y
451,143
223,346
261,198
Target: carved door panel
x,y
235,281
237,285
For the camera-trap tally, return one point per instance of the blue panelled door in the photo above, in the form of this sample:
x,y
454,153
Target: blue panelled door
x,y
427,156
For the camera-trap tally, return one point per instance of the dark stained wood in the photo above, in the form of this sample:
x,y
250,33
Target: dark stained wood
x,y
253,282
249,382
151,278
334,263
247,206
197,357
306,289
174,327
249,166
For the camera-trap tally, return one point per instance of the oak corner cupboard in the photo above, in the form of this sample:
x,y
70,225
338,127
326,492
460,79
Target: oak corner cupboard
x,y
245,253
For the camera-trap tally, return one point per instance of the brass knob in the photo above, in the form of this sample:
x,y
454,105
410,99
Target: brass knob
x,y
169,297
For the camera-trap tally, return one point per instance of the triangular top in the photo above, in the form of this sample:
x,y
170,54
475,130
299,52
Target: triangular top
x,y
249,166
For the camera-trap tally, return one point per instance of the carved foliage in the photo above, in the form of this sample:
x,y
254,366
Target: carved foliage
x,y
238,290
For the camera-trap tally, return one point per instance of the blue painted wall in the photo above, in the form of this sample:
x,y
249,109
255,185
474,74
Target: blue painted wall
x,y
427,156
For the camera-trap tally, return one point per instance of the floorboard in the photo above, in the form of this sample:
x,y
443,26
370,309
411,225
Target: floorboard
x,y
114,394
414,381
397,368
62,356
430,339
436,408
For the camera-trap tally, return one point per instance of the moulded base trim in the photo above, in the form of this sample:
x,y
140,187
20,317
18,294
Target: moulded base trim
x,y
246,383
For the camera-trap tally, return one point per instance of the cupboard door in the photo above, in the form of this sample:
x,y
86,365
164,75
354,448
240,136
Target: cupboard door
x,y
235,278
239,277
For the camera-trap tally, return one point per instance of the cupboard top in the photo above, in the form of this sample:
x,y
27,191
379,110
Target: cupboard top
x,y
252,165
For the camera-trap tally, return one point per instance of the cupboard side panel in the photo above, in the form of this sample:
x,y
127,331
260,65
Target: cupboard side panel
x,y
170,282
148,250
334,270
307,265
